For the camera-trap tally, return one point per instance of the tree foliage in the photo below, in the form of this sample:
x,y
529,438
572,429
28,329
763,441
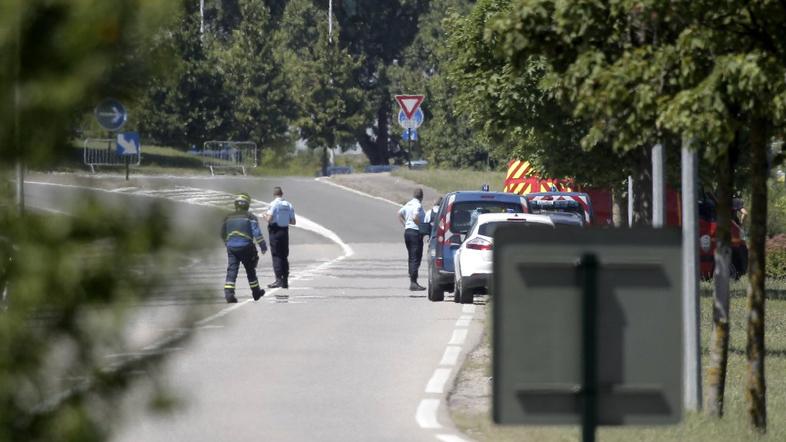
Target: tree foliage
x,y
641,71
67,296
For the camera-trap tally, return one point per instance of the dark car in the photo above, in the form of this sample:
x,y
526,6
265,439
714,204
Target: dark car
x,y
452,222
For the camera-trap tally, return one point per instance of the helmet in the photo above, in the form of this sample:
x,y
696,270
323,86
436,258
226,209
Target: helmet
x,y
242,201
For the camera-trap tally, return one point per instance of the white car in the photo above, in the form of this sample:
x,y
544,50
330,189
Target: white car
x,y
473,260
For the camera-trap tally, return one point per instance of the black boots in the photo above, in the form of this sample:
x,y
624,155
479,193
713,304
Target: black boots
x,y
257,293
230,297
415,287
280,283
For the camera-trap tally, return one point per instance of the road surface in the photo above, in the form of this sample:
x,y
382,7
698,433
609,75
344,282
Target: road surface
x,y
349,355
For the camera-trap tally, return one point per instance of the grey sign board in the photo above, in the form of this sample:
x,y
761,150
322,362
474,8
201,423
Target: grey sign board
x,y
537,329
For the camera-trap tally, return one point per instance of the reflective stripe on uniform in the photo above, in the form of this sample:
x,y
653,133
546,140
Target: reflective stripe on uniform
x,y
229,286
254,284
237,233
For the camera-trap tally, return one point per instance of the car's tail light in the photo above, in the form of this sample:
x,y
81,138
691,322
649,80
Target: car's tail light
x,y
439,262
480,244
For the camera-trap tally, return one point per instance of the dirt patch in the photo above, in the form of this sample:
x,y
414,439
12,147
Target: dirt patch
x,y
384,185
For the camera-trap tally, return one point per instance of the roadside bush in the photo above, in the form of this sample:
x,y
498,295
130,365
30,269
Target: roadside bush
x,y
776,208
776,257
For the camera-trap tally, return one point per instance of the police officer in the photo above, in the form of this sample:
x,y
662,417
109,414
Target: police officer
x,y
280,216
240,231
411,216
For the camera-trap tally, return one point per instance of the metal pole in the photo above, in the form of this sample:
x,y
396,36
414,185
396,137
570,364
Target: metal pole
x,y
588,271
658,195
409,151
201,17
20,167
690,282
630,201
330,21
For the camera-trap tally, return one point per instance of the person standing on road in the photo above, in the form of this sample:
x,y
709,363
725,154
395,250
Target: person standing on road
x,y
431,216
411,217
240,231
280,216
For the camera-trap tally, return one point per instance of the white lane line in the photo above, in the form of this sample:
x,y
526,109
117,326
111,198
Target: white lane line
x,y
469,308
450,438
463,321
426,416
450,357
437,382
349,189
458,338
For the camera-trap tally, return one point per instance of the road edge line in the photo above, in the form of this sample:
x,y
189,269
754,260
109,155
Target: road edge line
x,y
326,180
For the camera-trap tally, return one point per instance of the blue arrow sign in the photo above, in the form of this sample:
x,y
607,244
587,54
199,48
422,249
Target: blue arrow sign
x,y
128,143
111,114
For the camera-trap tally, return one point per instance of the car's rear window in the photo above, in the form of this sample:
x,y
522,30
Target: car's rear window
x,y
488,229
461,216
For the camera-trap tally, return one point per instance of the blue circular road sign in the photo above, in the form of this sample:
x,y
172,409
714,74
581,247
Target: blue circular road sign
x,y
111,114
410,123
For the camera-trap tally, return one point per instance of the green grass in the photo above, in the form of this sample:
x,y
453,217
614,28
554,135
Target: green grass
x,y
163,160
733,427
450,180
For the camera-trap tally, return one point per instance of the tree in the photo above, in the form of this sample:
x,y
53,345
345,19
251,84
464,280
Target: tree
x,y
702,71
446,137
376,32
67,295
515,108
226,84
330,106
262,107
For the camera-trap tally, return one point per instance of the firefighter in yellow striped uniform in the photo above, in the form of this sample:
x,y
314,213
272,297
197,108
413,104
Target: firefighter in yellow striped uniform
x,y
240,232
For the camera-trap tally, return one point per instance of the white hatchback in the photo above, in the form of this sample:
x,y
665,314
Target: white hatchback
x,y
473,260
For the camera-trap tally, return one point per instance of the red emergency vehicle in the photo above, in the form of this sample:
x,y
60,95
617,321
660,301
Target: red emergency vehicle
x,y
522,179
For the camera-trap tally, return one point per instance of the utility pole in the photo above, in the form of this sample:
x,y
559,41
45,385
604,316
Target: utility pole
x,y
658,197
20,167
690,281
201,18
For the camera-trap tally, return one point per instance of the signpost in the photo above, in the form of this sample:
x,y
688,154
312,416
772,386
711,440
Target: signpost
x,y
111,114
410,117
587,328
128,144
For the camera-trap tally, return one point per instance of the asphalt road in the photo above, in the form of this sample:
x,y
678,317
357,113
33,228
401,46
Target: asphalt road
x,y
349,355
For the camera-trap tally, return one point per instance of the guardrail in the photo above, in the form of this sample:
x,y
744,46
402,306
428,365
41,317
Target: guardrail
x,y
103,152
228,155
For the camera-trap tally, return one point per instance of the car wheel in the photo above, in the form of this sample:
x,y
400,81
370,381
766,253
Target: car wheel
x,y
465,296
435,292
456,292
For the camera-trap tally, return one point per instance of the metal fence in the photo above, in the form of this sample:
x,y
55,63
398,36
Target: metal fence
x,y
103,152
228,155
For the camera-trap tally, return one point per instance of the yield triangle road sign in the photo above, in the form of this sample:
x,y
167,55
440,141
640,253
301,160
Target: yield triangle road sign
x,y
409,104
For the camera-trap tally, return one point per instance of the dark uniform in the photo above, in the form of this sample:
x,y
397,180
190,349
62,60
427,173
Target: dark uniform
x,y
240,231
280,216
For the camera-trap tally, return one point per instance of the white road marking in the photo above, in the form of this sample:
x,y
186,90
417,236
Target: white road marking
x,y
303,222
450,438
349,189
450,357
210,327
463,321
437,382
469,308
458,338
426,415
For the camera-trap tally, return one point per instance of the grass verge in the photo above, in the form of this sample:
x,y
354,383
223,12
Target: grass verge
x,y
476,421
449,180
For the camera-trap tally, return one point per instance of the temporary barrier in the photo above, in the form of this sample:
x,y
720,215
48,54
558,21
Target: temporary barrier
x,y
103,152
228,155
